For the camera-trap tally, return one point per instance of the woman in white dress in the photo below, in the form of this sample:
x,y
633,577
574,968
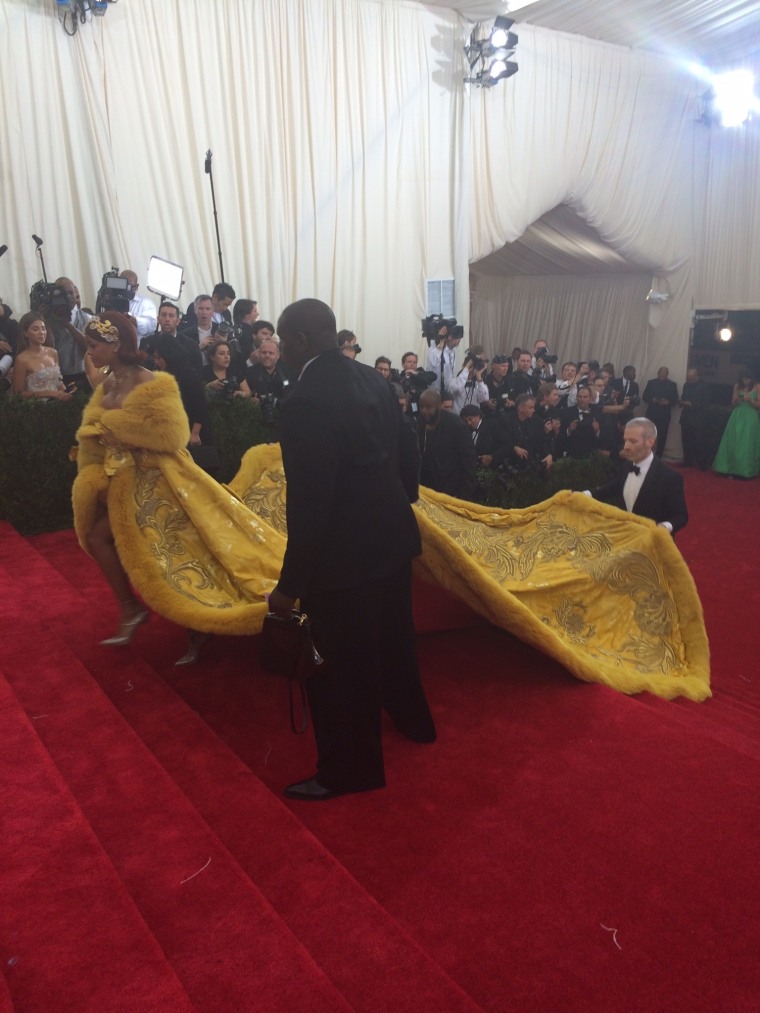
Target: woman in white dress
x,y
35,369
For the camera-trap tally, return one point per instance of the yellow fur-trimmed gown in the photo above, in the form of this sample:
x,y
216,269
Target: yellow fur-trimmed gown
x,y
605,593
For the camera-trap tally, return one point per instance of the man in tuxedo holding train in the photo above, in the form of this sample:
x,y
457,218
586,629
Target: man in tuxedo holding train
x,y
646,486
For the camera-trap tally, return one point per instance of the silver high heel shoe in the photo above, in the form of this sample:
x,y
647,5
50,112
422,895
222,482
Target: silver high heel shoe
x,y
127,629
195,644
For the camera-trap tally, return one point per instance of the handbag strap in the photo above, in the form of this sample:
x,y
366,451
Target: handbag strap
x,y
304,707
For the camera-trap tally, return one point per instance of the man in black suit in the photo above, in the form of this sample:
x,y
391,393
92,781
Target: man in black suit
x,y
695,421
352,536
579,427
625,386
204,328
647,487
525,444
484,434
660,395
168,322
448,456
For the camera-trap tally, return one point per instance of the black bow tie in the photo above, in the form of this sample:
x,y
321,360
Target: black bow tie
x,y
634,468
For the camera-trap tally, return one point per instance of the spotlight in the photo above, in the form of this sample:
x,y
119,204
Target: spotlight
x,y
500,34
488,55
734,97
730,99
725,334
499,71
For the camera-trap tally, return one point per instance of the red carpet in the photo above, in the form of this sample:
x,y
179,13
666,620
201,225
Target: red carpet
x,y
561,847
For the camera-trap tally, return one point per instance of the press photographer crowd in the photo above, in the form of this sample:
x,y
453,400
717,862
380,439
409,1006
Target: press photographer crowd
x,y
514,415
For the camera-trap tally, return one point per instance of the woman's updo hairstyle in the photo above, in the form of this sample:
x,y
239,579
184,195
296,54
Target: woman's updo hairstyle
x,y
111,327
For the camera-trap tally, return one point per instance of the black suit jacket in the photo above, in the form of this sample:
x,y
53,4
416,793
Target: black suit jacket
x,y
487,439
661,497
619,385
448,456
661,389
351,477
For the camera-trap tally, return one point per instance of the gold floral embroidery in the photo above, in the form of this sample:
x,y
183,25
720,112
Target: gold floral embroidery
x,y
571,618
267,499
489,546
171,529
551,542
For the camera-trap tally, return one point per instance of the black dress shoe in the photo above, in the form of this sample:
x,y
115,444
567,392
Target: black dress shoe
x,y
313,791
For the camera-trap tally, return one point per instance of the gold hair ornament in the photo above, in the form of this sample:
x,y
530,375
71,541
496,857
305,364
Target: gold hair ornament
x,y
105,329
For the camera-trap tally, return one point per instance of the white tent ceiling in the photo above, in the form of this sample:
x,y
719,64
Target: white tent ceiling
x,y
718,32
560,242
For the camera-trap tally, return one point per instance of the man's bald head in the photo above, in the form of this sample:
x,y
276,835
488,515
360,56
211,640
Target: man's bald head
x,y
430,405
306,329
129,276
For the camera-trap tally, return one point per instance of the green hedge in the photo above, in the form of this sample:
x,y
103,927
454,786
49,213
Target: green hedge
x,y
36,473
510,492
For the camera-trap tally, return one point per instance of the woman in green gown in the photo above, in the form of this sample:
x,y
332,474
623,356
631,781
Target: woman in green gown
x,y
739,450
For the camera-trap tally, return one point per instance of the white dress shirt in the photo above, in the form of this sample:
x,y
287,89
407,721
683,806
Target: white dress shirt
x,y
434,365
146,315
633,482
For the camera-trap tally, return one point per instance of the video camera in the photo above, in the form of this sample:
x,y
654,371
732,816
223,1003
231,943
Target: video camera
x,y
115,293
49,299
432,325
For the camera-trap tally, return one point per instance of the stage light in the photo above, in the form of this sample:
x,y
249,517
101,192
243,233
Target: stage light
x,y
734,97
500,33
488,53
73,13
165,277
725,334
730,99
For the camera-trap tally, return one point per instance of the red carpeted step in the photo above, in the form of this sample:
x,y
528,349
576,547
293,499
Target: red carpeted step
x,y
71,936
732,723
6,1004
372,961
228,947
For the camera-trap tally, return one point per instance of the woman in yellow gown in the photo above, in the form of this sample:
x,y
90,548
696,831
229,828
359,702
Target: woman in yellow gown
x,y
605,593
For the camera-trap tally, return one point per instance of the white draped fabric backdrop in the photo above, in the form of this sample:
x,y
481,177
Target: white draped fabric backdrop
x,y
351,164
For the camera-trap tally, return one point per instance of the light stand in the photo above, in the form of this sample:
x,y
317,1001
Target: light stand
x,y
38,251
210,175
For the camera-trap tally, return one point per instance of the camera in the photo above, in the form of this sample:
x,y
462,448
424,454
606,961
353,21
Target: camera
x,y
542,355
432,325
267,405
477,362
228,388
224,330
115,293
45,297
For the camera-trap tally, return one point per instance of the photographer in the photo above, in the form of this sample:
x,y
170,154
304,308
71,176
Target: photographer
x,y
580,427
220,376
543,363
496,382
413,380
58,308
244,315
141,309
441,357
468,386
549,414
567,386
521,381
268,380
525,444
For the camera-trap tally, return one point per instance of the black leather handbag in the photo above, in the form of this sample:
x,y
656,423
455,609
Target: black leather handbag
x,y
287,649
